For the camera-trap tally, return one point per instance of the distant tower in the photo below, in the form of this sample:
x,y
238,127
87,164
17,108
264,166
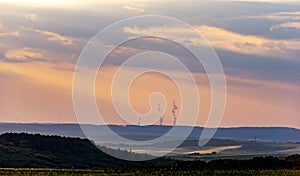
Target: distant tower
x,y
161,117
173,112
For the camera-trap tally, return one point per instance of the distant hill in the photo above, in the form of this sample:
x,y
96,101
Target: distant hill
x,y
271,134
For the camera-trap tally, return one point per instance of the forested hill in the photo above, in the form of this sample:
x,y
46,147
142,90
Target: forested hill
x,y
35,150
38,151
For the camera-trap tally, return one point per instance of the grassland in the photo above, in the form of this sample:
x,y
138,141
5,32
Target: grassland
x,y
69,172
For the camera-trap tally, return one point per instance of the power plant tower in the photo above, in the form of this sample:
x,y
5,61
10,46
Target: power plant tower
x,y
161,117
173,112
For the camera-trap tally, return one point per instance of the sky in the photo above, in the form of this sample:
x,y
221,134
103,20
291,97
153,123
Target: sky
x,y
256,41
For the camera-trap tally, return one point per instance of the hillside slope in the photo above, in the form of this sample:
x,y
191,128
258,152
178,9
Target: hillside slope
x,y
34,150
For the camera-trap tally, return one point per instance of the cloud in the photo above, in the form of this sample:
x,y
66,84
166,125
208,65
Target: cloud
x,y
54,48
125,50
291,25
23,54
9,33
294,15
224,39
248,44
30,54
52,36
136,7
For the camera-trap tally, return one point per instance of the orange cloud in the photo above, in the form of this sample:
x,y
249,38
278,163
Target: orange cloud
x,y
52,36
295,25
126,50
23,54
136,7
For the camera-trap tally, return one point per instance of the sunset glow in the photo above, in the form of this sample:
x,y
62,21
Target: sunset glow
x,y
41,40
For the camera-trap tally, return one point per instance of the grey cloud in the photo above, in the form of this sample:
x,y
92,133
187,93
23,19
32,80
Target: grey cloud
x,y
261,68
86,23
235,64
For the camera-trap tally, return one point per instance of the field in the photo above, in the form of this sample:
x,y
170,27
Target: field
x,y
67,172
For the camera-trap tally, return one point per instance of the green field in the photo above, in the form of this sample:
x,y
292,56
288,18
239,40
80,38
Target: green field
x,y
67,172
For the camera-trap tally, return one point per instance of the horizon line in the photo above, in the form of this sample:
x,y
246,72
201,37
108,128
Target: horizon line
x,y
73,123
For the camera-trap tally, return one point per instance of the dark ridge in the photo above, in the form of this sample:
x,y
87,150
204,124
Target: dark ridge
x,y
43,151
39,151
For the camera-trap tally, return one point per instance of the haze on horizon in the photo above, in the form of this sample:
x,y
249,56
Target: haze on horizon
x,y
257,43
